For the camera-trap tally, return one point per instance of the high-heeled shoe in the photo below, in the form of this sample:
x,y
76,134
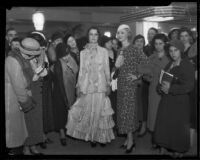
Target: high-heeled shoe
x,y
155,147
131,149
48,141
93,144
123,146
43,145
102,144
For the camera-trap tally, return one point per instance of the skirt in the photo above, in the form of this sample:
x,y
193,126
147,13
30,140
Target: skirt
x,y
90,119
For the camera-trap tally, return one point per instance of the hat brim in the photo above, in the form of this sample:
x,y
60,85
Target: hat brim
x,y
31,53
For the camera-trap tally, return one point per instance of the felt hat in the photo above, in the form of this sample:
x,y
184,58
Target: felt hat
x,y
104,39
178,44
57,35
30,46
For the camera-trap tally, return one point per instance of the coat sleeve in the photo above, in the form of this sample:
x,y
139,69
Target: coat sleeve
x,y
186,80
18,83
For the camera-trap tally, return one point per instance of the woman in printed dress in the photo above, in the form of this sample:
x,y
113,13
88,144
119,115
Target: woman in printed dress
x,y
127,61
90,118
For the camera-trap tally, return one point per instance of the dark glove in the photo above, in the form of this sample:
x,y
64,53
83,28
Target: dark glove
x,y
28,105
116,74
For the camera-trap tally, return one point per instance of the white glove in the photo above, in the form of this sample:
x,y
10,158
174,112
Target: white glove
x,y
114,84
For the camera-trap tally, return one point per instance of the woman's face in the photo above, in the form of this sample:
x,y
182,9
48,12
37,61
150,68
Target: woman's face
x,y
71,42
108,45
174,53
28,57
139,43
15,44
185,37
114,44
122,35
151,33
93,36
159,45
174,35
10,35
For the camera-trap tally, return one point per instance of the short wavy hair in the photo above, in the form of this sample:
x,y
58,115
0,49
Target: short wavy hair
x,y
162,37
139,36
98,31
185,29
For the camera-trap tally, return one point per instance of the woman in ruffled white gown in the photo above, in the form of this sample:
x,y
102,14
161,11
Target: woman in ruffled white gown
x,y
90,117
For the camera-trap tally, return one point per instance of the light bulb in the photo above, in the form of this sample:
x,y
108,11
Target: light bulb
x,y
38,21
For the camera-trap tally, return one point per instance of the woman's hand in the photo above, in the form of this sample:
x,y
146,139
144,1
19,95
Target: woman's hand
x,y
131,77
165,87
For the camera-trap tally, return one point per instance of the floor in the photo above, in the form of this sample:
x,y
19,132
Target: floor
x,y
79,147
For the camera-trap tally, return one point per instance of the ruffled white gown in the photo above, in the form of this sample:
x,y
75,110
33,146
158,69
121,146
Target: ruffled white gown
x,y
90,117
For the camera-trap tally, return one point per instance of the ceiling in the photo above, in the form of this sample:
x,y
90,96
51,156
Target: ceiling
x,y
124,9
191,8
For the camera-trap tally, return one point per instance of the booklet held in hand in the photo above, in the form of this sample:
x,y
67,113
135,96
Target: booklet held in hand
x,y
165,76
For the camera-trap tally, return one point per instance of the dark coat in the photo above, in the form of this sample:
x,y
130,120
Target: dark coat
x,y
60,102
172,124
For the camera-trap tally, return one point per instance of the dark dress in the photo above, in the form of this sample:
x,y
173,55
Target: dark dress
x,y
48,118
126,91
60,102
113,94
173,118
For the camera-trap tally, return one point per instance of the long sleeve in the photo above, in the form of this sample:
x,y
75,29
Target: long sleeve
x,y
107,68
80,70
19,85
186,80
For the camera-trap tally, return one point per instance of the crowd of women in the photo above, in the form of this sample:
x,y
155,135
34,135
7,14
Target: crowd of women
x,y
97,89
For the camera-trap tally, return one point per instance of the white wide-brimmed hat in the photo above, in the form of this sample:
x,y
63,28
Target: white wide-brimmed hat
x,y
30,46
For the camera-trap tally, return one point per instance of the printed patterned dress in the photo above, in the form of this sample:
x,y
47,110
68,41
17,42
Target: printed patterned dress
x,y
126,93
90,117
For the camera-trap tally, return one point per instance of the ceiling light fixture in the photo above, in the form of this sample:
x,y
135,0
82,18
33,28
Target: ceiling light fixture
x,y
38,20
